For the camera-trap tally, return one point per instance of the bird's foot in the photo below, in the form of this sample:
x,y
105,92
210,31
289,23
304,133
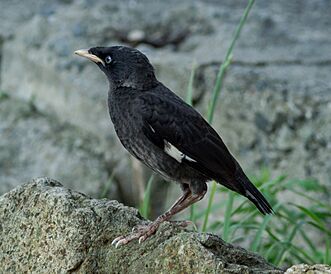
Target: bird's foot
x,y
182,224
141,232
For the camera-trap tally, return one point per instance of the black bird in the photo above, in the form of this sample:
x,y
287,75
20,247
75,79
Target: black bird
x,y
166,134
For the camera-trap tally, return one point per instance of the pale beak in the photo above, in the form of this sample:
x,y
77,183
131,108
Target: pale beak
x,y
90,56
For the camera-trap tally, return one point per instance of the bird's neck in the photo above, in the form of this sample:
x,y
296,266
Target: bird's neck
x,y
121,97
134,81
120,103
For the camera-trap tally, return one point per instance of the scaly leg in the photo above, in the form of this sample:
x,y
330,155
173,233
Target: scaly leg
x,y
185,194
143,232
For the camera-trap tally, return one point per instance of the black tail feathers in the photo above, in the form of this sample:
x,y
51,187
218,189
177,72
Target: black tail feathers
x,y
255,196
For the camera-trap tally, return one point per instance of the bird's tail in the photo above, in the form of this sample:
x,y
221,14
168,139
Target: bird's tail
x,y
254,195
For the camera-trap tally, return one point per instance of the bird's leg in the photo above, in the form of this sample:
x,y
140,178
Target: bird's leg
x,y
144,232
184,196
191,199
186,193
177,207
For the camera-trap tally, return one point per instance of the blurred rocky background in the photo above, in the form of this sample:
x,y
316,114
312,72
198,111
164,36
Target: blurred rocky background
x,y
274,110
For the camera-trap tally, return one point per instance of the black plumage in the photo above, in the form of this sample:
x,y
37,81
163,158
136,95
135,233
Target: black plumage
x,y
169,136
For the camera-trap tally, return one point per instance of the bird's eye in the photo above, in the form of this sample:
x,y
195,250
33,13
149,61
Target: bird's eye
x,y
108,59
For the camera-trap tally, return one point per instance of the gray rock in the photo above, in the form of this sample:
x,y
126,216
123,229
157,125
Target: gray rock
x,y
35,144
61,46
47,10
15,13
48,228
311,269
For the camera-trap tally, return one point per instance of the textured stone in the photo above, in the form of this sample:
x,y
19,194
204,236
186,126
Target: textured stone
x,y
35,144
46,228
309,269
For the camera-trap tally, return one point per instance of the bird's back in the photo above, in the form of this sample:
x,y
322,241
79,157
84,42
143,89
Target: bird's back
x,y
172,138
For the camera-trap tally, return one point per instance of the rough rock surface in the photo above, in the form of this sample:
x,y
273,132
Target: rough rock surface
x,y
275,108
46,228
30,138
309,269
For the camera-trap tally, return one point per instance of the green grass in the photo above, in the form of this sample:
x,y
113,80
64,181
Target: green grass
x,y
145,205
292,235
107,187
3,95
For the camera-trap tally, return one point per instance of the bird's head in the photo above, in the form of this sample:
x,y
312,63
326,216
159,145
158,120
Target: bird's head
x,y
123,66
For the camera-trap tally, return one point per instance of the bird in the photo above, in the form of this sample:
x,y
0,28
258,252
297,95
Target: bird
x,y
166,134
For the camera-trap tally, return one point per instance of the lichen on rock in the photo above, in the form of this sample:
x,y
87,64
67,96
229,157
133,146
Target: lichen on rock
x,y
47,228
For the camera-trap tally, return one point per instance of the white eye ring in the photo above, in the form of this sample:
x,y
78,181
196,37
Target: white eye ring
x,y
108,59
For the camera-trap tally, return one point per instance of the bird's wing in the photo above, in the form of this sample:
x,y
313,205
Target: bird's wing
x,y
182,133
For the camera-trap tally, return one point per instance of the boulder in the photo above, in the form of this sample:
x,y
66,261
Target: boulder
x,y
46,228
309,269
36,144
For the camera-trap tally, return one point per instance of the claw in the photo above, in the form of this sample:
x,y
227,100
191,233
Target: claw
x,y
142,239
114,242
141,233
137,228
121,242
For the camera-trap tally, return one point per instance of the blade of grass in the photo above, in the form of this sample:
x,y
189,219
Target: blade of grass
x,y
227,217
310,214
243,221
145,207
217,88
270,249
244,207
193,216
327,256
309,197
258,236
307,185
308,257
189,93
210,201
107,186
273,236
223,67
268,185
286,243
307,240
321,228
294,251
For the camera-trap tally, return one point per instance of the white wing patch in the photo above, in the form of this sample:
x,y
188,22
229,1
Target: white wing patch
x,y
152,129
175,153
